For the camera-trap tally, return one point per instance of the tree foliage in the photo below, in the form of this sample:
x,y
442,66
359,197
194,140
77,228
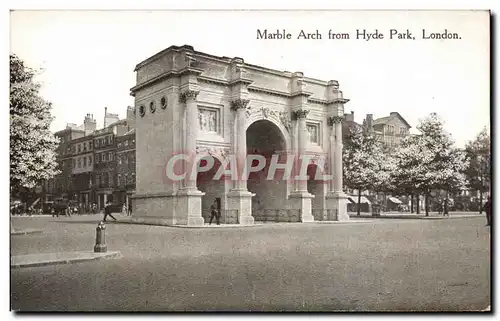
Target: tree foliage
x,y
478,152
429,160
366,166
32,145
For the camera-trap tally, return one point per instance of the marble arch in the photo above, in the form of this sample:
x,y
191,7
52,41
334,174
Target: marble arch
x,y
231,95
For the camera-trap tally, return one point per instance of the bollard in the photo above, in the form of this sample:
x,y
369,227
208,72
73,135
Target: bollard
x,y
100,238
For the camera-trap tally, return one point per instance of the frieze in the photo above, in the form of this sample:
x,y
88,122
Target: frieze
x,y
219,153
239,104
285,120
335,120
300,114
188,95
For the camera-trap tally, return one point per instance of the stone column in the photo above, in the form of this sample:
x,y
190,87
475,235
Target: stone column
x,y
239,198
239,106
302,146
301,198
336,199
191,134
189,198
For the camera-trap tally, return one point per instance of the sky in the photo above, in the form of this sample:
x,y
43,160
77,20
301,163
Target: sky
x,y
87,58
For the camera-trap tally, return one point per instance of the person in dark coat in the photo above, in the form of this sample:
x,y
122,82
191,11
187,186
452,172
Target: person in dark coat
x,y
487,209
129,209
107,211
214,212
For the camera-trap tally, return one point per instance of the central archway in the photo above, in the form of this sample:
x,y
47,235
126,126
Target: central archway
x,y
266,139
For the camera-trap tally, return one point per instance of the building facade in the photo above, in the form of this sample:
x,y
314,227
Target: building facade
x,y
218,109
87,160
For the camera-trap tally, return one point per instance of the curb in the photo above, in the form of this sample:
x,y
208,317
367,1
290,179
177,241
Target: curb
x,y
415,217
25,232
98,256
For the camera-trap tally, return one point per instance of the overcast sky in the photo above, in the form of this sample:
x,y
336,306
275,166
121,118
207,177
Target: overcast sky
x,y
88,57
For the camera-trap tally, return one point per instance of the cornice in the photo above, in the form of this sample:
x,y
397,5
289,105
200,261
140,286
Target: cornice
x,y
165,75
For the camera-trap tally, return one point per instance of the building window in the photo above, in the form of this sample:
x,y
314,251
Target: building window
x,y
152,106
110,156
97,143
74,163
133,178
79,163
142,110
90,145
85,162
163,102
390,129
84,147
119,178
90,160
126,179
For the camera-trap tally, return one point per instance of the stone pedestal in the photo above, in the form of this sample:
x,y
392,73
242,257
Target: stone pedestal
x,y
337,202
189,208
302,201
241,201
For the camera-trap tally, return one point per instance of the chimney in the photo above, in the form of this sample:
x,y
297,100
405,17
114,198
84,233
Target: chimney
x,y
131,117
105,116
393,113
349,117
369,122
89,124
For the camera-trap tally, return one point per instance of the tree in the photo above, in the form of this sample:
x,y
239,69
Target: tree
x,y
409,176
32,145
363,160
478,173
429,161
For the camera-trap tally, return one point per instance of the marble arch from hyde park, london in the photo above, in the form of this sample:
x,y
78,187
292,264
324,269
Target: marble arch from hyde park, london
x,y
221,107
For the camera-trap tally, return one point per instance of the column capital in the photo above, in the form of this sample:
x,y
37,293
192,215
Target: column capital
x,y
299,114
335,120
188,95
238,104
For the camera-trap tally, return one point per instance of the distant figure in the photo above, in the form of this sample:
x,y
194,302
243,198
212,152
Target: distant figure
x,y
214,212
487,209
107,211
440,206
129,209
124,209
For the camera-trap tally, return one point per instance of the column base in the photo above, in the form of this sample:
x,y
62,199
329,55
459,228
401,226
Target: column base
x,y
337,206
302,202
241,201
189,208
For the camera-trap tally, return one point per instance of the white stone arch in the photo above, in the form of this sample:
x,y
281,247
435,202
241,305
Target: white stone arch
x,y
273,119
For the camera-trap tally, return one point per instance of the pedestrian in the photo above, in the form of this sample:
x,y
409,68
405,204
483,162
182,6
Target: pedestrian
x,y
214,212
107,211
440,206
487,209
129,208
124,209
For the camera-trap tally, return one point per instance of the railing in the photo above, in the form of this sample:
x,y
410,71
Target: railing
x,y
264,215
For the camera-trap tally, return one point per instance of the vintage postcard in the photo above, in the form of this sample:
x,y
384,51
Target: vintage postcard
x,y
250,160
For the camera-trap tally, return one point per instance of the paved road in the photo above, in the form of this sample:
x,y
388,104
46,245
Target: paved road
x,y
381,265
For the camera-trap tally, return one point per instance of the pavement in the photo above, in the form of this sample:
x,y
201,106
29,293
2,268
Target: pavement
x,y
41,259
422,216
25,231
382,265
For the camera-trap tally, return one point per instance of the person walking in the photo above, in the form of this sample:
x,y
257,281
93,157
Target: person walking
x,y
487,209
129,213
214,212
107,211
